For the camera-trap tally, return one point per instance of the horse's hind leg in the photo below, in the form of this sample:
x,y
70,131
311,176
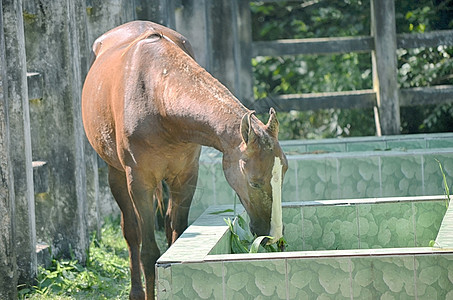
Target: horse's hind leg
x,y
141,192
182,189
131,230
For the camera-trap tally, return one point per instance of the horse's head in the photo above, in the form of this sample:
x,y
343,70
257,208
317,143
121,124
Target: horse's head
x,y
256,173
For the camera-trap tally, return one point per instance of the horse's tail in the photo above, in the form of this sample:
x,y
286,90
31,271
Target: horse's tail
x,y
161,203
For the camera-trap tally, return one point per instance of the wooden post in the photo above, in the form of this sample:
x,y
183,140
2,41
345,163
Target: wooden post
x,y
20,145
242,46
8,267
383,29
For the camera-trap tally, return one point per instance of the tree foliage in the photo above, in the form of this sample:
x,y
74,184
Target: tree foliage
x,y
349,71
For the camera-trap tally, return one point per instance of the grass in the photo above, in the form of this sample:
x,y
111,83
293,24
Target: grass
x,y
444,181
105,275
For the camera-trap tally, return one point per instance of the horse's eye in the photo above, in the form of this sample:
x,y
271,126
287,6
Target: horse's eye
x,y
255,185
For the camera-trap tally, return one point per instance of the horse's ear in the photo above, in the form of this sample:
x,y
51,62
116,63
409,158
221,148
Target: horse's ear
x,y
247,132
272,125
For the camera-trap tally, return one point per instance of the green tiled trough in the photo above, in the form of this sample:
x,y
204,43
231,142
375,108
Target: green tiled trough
x,y
377,248
389,166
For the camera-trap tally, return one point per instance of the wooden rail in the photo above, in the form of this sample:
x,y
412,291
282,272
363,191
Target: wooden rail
x,y
385,95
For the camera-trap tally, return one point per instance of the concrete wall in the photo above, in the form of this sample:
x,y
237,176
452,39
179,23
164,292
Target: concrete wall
x,y
8,274
20,143
53,188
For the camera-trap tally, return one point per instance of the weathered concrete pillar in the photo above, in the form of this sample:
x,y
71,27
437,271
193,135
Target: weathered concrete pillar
x,y
191,21
21,154
102,16
242,34
105,15
52,47
8,267
158,11
220,34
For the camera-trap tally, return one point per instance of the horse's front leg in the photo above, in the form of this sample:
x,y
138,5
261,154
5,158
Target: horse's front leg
x,y
130,227
141,191
182,189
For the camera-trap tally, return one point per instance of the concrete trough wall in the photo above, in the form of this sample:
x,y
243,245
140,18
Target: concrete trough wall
x,y
389,166
340,249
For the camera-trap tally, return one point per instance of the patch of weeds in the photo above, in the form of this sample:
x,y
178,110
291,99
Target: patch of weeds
x,y
243,241
105,275
446,188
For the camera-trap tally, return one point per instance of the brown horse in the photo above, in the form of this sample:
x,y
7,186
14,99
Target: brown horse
x,y
147,109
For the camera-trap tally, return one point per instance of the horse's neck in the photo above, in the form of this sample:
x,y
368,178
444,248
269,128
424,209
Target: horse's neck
x,y
210,114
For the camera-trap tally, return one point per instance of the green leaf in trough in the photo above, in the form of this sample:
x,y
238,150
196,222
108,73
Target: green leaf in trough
x,y
257,243
241,229
243,241
229,210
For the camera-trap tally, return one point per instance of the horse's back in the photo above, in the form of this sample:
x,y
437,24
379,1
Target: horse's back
x,y
127,33
114,100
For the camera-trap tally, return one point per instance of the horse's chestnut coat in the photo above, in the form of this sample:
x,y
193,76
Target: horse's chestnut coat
x,y
147,108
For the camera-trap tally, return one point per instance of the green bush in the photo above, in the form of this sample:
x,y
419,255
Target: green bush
x,y
350,71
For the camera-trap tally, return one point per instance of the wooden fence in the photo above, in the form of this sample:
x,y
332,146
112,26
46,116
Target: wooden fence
x,y
229,59
385,96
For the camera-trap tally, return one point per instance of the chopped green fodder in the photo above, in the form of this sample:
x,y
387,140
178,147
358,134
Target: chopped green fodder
x,y
243,241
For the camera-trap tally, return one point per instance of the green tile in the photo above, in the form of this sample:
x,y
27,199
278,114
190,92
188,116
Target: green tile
x,y
428,217
197,281
224,194
198,206
359,177
432,174
434,276
294,149
318,179
290,183
386,225
163,282
401,176
255,279
324,278
329,228
440,143
292,218
321,147
223,246
383,277
365,146
406,144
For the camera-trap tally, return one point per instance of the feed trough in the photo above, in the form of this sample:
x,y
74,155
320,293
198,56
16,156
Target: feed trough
x,y
396,247
348,168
